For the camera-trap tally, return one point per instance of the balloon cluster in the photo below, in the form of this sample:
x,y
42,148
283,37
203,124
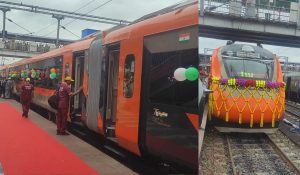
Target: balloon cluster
x,y
190,74
13,74
23,74
35,73
53,73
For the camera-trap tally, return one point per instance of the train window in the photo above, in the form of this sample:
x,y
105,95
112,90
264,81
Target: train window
x,y
240,68
48,72
164,89
163,59
67,70
128,76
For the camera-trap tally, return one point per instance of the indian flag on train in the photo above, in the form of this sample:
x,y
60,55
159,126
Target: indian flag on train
x,y
184,37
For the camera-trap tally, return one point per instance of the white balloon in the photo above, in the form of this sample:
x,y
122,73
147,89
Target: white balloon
x,y
179,74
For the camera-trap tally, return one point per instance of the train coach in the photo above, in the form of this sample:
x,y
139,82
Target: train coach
x,y
129,95
292,80
248,89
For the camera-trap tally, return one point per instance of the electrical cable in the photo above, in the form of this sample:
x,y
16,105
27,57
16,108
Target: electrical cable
x,y
51,24
101,5
63,27
19,25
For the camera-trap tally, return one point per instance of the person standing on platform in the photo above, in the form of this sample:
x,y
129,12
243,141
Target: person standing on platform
x,y
26,96
298,93
64,94
1,87
8,88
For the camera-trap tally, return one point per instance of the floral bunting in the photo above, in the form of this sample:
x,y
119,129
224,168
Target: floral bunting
x,y
247,83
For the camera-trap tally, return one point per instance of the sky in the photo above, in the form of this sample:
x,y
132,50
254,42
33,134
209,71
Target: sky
x,y
45,25
119,9
293,54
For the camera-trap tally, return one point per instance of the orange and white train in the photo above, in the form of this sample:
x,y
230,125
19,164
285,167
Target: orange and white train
x,y
129,95
248,89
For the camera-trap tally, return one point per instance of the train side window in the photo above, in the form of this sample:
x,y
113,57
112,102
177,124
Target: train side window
x,y
49,72
128,84
67,70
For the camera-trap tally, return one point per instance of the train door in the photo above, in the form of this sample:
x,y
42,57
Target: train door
x,y
169,108
112,89
77,75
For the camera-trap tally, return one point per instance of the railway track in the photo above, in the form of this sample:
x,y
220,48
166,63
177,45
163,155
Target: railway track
x,y
294,110
249,154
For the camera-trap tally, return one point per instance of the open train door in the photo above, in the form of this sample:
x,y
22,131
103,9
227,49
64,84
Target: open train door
x,y
113,54
77,75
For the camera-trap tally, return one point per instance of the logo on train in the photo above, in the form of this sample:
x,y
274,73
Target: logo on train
x,y
160,117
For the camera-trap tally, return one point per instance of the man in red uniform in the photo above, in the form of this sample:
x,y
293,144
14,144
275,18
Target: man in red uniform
x,y
26,96
64,94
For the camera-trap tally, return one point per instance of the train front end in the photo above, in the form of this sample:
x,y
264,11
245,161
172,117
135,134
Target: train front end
x,y
248,89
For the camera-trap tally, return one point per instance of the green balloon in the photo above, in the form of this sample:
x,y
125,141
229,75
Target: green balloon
x,y
53,75
33,74
191,74
23,75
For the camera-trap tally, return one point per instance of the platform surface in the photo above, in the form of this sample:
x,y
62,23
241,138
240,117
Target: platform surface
x,y
93,160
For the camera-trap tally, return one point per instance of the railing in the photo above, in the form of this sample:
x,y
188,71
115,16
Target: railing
x,y
252,11
18,45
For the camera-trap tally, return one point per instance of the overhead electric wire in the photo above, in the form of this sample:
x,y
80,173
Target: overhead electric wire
x,y
51,24
101,5
63,27
19,25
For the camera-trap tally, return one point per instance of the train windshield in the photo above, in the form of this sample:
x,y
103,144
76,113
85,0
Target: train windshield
x,y
245,61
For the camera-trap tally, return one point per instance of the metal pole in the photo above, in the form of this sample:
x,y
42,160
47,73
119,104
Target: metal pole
x,y
201,7
286,63
298,21
4,19
59,18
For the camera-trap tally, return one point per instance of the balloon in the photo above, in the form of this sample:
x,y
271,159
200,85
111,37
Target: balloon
x,y
33,74
23,75
179,74
52,70
38,73
191,74
53,75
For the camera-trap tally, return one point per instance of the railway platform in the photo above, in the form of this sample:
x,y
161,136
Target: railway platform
x,y
31,146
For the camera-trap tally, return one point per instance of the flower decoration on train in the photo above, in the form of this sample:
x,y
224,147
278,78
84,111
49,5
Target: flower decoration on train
x,y
191,74
247,83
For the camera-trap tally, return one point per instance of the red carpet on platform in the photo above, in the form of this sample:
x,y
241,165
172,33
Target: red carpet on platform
x,y
28,150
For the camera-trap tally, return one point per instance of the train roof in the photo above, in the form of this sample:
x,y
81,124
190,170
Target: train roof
x,y
171,18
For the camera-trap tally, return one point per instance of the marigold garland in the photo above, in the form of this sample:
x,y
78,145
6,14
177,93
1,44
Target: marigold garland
x,y
247,83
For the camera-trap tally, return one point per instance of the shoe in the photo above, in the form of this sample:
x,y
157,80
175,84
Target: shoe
x,y
58,132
